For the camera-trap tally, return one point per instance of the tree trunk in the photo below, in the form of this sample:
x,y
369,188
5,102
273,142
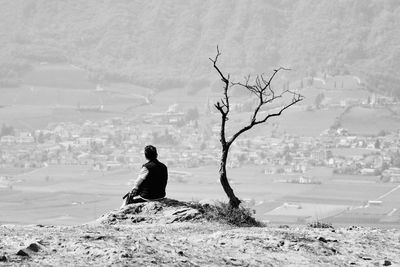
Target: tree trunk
x,y
233,200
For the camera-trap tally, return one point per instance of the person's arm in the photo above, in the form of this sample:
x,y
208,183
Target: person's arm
x,y
142,175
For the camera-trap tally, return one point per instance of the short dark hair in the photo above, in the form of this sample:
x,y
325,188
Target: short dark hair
x,y
150,152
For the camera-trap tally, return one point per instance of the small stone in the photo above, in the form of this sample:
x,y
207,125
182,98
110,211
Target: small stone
x,y
125,255
34,247
386,263
23,253
138,219
322,239
366,258
180,253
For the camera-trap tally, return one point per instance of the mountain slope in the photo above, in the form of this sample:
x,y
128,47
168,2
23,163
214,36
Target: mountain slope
x,y
161,43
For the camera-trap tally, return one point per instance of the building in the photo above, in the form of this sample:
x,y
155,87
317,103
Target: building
x,y
8,139
392,175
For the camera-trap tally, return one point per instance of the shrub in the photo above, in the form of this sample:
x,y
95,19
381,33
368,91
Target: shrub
x,y
224,213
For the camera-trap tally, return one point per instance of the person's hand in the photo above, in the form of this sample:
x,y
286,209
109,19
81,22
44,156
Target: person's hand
x,y
134,192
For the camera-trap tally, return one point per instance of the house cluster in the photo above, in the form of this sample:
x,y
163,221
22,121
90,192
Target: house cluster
x,y
336,149
108,144
21,138
118,143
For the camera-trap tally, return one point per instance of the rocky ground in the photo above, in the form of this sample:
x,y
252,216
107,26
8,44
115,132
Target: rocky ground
x,y
174,234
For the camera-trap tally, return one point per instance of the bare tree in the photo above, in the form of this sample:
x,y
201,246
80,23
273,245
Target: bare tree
x,y
261,88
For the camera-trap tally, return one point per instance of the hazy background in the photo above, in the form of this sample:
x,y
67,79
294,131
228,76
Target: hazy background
x,y
85,85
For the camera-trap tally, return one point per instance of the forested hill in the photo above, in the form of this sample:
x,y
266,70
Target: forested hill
x,y
166,43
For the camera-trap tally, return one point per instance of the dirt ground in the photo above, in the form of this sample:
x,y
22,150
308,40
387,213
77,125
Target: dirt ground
x,y
119,239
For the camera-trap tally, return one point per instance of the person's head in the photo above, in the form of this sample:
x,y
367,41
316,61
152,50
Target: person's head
x,y
150,152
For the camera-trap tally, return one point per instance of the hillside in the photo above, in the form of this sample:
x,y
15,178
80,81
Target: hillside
x,y
165,44
135,238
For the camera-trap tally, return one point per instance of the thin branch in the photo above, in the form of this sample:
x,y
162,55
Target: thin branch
x,y
268,83
214,61
254,122
223,108
261,88
294,101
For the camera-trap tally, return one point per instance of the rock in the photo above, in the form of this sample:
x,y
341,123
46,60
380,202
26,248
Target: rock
x,y
366,258
152,207
3,258
353,227
386,263
232,261
281,243
138,219
180,253
23,253
180,215
165,211
326,240
32,248
126,255
35,247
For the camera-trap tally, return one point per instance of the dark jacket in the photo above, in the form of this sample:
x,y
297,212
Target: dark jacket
x,y
153,186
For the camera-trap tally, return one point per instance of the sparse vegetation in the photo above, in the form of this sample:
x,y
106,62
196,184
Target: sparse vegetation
x,y
225,213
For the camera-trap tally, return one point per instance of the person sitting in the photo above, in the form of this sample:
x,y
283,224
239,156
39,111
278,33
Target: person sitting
x,y
152,180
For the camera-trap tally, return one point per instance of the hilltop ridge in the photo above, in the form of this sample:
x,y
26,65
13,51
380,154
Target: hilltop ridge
x,y
124,241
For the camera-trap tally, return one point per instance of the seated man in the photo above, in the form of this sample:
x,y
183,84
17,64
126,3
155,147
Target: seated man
x,y
152,180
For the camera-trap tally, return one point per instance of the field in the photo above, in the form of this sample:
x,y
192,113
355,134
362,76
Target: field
x,y
51,194
368,121
311,211
57,93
